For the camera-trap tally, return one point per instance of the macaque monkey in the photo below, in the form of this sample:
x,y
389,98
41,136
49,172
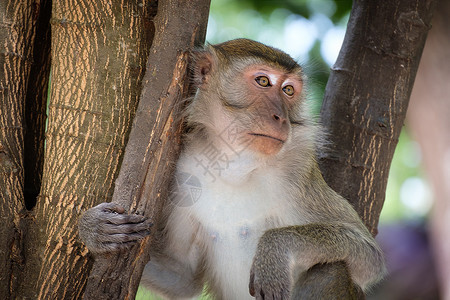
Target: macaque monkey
x,y
249,213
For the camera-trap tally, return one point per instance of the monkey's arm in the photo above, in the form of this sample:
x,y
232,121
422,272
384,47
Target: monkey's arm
x,y
172,277
327,282
284,254
175,266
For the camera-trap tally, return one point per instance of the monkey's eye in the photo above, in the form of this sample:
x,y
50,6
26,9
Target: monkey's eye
x,y
288,90
263,81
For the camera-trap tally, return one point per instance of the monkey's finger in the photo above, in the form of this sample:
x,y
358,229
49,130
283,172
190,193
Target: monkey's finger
x,y
121,238
127,228
258,292
260,295
111,207
125,219
271,296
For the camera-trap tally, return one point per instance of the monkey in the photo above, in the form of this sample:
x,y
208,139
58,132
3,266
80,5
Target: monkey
x,y
249,213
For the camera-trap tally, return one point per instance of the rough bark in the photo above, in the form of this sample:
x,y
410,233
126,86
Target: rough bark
x,y
367,96
428,118
17,24
98,52
153,146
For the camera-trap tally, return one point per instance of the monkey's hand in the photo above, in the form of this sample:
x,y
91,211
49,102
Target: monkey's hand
x,y
107,228
270,273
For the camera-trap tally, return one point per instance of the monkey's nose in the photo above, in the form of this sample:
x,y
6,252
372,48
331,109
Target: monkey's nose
x,y
278,119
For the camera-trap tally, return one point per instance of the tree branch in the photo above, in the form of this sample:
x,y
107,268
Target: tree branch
x,y
152,149
367,96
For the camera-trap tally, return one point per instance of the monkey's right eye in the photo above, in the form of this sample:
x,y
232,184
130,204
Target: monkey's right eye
x,y
263,81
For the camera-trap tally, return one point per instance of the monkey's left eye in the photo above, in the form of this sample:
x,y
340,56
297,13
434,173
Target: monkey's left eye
x,y
263,81
288,90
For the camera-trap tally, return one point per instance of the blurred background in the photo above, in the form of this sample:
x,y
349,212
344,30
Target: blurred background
x,y
415,220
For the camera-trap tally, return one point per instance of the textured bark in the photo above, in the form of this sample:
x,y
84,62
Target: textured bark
x,y
98,52
153,146
367,96
17,32
428,118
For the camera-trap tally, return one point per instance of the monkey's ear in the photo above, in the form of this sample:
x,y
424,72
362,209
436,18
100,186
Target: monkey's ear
x,y
202,66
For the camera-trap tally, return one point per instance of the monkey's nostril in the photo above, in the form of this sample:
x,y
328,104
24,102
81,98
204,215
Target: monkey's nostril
x,y
278,119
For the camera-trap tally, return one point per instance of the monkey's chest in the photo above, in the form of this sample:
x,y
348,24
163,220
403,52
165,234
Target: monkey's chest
x,y
230,254
230,246
236,218
232,222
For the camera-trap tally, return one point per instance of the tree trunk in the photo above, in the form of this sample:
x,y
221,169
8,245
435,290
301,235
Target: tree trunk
x,y
17,21
99,49
142,185
367,96
429,120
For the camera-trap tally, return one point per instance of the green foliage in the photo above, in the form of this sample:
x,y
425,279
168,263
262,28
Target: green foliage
x,y
144,294
407,195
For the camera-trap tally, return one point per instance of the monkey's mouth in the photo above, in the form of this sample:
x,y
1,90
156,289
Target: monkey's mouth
x,y
267,136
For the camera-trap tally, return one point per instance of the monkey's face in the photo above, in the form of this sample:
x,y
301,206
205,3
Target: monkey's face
x,y
256,105
249,96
